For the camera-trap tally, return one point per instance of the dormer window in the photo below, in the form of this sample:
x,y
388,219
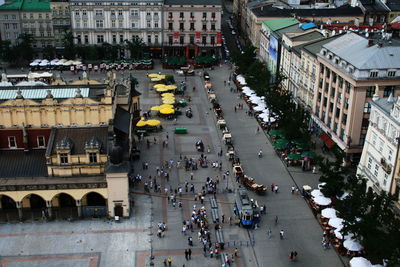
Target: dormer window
x,y
391,73
351,69
336,60
63,158
92,157
343,64
373,74
330,56
323,52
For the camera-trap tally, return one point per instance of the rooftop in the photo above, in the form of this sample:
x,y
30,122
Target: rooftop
x,y
374,6
277,24
18,163
343,11
27,5
394,5
309,36
58,92
354,49
77,139
191,2
384,105
314,47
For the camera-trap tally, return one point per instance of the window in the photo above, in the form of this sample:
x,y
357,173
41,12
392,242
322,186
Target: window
x,y
78,38
364,124
156,24
370,91
339,98
155,14
213,15
156,39
84,13
204,39
204,15
325,101
191,39
134,13
63,158
99,24
347,85
170,15
181,27
362,139
120,13
113,23
381,144
367,108
170,39
92,157
212,40
337,114
148,39
99,12
213,27
148,24
192,26
376,170
100,39
204,27
76,12
41,141
86,37
12,142
389,90
114,38
390,154
341,81
346,103
181,14
391,73
112,13
191,14
170,27
373,74
369,164
181,39
344,119
334,77
374,137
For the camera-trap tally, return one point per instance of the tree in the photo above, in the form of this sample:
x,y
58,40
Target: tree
x,y
24,48
135,47
370,218
49,52
6,51
69,45
245,59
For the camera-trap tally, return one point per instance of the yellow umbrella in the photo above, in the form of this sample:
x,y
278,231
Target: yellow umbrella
x,y
166,106
156,79
153,122
167,111
153,75
171,87
168,101
159,85
167,95
161,76
155,108
141,123
161,89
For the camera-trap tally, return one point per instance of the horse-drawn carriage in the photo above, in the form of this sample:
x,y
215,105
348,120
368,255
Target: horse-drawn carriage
x,y
252,185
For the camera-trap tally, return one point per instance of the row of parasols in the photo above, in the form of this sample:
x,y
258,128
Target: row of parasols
x,y
257,101
156,77
167,97
335,222
54,62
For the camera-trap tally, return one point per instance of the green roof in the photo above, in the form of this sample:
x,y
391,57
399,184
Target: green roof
x,y
27,5
14,5
276,24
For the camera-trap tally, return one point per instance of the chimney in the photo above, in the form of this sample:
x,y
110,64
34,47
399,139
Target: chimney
x,y
370,42
375,97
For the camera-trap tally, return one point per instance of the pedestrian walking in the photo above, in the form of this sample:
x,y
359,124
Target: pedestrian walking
x,y
223,218
169,261
236,252
276,220
165,262
190,241
282,234
269,233
186,254
190,253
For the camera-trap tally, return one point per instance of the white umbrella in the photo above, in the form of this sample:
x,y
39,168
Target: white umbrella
x,y
34,63
345,194
241,80
44,63
264,116
328,213
352,245
336,223
317,193
322,201
259,108
272,119
360,262
339,235
266,111
5,84
321,185
249,93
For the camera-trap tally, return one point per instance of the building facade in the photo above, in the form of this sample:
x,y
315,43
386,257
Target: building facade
x,y
192,28
113,22
66,150
10,22
61,21
381,144
352,68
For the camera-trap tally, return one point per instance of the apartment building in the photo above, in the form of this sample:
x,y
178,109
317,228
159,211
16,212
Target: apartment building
x,y
352,69
113,22
61,21
192,28
381,144
27,16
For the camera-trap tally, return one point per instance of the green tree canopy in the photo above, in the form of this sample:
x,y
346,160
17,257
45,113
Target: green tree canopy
x,y
135,47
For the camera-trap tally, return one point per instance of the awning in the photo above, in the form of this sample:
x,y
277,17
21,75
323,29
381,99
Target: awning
x,y
327,140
